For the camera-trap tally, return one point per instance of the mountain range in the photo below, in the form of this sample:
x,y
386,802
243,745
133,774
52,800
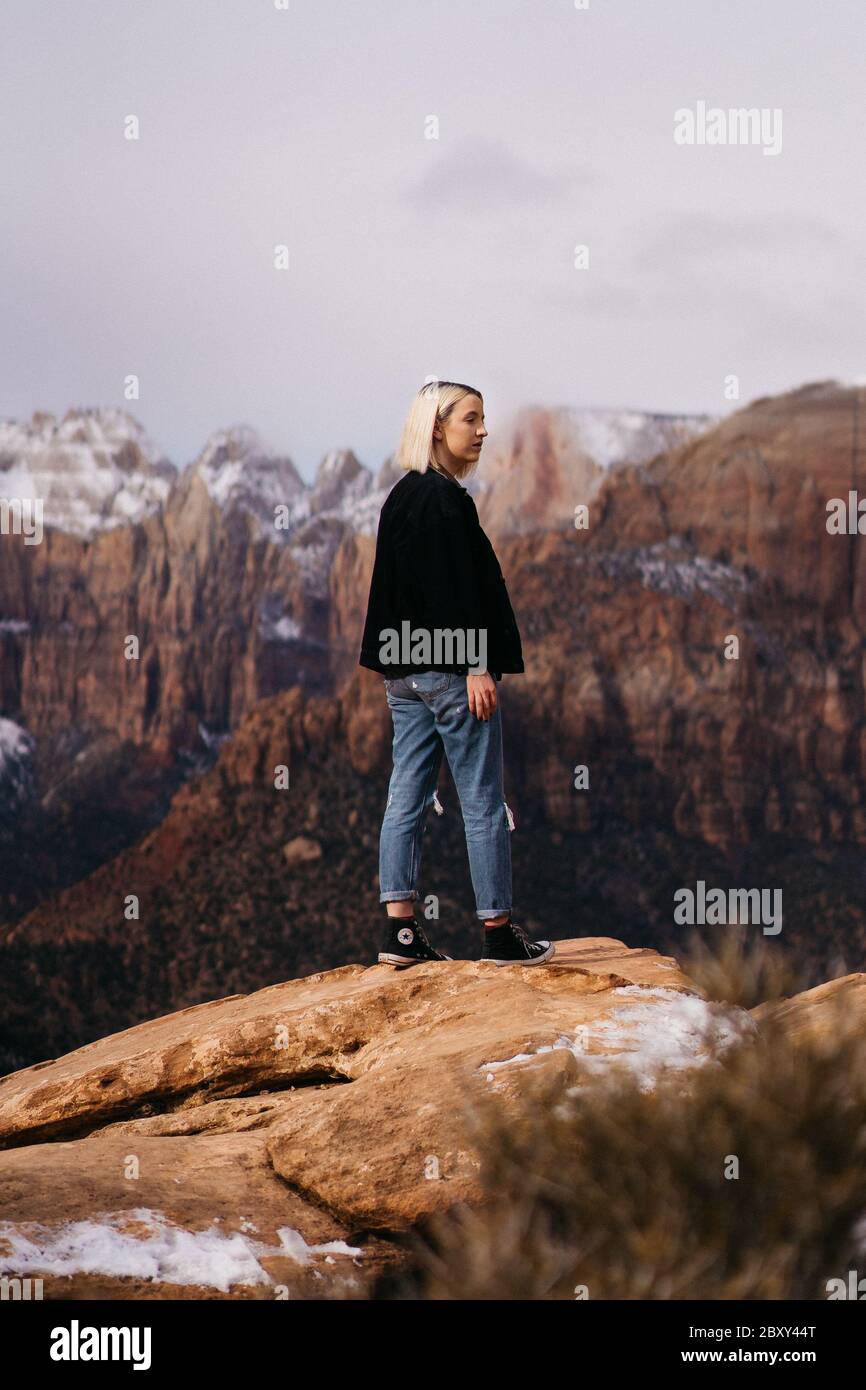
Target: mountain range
x,y
735,762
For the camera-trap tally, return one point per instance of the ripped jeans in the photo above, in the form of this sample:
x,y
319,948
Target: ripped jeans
x,y
431,714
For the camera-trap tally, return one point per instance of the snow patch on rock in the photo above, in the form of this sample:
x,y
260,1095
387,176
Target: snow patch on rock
x,y
654,1030
144,1244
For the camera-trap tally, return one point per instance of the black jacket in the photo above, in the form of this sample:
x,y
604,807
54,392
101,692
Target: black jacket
x,y
435,568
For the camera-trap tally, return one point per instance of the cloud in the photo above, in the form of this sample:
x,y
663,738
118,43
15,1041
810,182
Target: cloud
x,y
485,175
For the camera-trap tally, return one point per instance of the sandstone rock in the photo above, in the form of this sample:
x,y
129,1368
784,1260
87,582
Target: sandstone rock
x,y
335,1026
145,1217
321,1109
278,1141
814,1010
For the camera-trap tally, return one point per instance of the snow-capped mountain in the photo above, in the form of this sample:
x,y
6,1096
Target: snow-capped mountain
x,y
341,482
239,470
545,461
94,469
97,469
611,437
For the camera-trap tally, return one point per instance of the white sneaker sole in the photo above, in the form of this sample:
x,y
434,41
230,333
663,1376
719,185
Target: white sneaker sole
x,y
386,958
534,960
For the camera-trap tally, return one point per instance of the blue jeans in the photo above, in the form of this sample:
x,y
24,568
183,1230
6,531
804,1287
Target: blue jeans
x,y
431,714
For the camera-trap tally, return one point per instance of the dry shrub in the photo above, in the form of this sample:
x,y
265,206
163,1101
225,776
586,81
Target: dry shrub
x,y
742,969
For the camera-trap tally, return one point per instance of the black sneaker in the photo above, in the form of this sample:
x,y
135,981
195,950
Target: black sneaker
x,y
508,944
406,944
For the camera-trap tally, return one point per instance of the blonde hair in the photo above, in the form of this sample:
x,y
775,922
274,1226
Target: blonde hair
x,y
434,402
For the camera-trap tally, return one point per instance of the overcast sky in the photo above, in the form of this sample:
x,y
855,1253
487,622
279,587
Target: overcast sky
x,y
408,256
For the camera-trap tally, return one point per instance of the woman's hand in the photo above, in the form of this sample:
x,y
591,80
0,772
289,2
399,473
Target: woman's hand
x,y
481,691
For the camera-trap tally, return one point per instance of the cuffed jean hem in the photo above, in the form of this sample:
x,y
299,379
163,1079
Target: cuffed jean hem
x,y
399,897
492,912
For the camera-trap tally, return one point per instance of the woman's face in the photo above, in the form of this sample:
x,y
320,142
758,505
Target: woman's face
x,y
463,431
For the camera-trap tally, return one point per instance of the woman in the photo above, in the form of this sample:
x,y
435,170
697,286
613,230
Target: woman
x,y
437,614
